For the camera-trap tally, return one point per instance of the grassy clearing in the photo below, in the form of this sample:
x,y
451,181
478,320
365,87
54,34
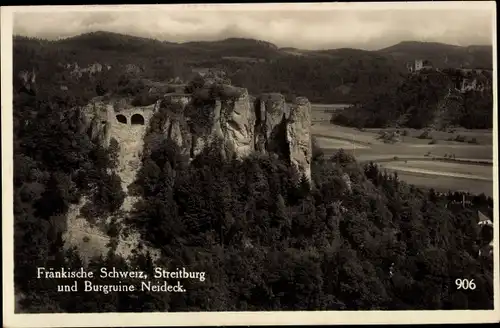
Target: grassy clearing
x,y
335,131
321,115
376,152
445,184
445,167
333,143
408,146
418,154
483,137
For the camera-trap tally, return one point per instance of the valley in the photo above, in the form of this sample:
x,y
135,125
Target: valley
x,y
445,165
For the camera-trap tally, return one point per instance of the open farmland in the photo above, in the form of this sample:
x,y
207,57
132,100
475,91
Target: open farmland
x,y
323,112
446,183
443,164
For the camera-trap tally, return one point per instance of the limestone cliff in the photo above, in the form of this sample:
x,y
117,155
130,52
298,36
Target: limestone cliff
x,y
237,122
298,134
96,120
271,123
241,124
211,112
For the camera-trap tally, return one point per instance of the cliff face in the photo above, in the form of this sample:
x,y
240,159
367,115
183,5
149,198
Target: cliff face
x,y
95,120
298,134
237,124
217,112
271,123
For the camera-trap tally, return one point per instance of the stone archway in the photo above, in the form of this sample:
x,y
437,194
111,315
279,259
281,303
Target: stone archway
x,y
121,118
137,119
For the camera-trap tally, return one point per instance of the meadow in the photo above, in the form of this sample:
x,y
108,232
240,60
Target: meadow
x,y
437,161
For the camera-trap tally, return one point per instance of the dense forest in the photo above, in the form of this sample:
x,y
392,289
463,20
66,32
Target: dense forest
x,y
266,239
355,237
428,99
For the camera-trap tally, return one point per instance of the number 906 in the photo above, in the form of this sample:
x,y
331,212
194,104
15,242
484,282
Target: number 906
x,y
465,284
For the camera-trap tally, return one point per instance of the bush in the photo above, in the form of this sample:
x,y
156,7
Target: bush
x,y
424,135
317,152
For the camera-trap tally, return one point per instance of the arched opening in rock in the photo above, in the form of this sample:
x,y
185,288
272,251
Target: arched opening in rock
x,y
121,118
137,119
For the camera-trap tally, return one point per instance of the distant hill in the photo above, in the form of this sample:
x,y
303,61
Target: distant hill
x,y
429,99
442,55
328,76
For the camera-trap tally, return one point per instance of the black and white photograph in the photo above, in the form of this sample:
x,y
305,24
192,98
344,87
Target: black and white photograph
x,y
249,164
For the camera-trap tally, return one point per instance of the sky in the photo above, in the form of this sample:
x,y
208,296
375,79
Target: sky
x,y
286,25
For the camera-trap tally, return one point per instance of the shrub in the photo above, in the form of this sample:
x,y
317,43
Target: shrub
x,y
343,157
317,152
424,135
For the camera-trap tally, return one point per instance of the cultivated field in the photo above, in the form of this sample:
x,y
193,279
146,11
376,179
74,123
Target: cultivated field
x,y
445,183
323,112
441,164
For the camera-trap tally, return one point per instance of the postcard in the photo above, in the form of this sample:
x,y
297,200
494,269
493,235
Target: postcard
x,y
250,164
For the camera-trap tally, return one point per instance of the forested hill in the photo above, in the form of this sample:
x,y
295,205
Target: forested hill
x,y
328,76
432,98
442,55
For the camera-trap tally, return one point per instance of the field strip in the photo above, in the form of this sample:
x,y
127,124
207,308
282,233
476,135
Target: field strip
x,y
447,145
437,173
352,139
390,158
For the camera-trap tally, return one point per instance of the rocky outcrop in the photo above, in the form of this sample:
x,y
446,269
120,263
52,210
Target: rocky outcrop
x,y
220,115
179,98
28,81
96,120
244,124
176,125
237,122
93,69
298,135
271,123
216,112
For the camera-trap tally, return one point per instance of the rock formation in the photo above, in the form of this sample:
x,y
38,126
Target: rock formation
x,y
28,81
298,134
212,114
237,122
96,120
221,112
270,124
